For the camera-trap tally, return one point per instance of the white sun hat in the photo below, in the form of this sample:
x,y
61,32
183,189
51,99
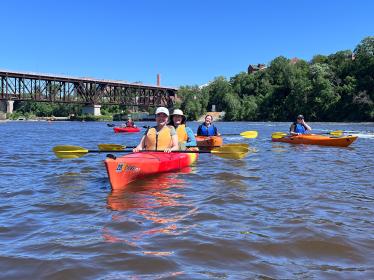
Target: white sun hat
x,y
162,110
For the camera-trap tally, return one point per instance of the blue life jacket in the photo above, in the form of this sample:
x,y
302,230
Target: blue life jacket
x,y
203,130
299,128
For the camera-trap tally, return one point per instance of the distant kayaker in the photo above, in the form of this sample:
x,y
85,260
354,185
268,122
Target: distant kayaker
x,y
300,126
186,136
160,137
207,128
130,123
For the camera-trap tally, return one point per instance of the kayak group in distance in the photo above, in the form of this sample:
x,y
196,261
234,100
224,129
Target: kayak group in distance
x,y
171,133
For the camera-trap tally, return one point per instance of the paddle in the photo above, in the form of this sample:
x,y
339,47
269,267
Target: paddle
x,y
113,147
231,152
277,135
118,147
110,124
245,134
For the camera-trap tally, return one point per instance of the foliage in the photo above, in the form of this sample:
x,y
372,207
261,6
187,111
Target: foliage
x,y
92,118
337,87
46,109
194,101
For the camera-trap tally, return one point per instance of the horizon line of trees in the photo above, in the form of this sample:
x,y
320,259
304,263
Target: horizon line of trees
x,y
337,87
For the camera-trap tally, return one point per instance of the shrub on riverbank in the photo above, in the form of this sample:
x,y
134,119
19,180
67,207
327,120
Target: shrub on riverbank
x,y
91,118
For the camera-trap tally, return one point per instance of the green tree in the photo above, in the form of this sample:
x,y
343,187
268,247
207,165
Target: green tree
x,y
364,72
249,111
323,95
193,101
217,91
231,103
297,101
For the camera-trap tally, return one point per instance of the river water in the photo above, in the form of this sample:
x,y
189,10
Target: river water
x,y
284,212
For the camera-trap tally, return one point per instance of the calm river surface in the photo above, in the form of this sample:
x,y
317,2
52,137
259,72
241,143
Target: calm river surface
x,y
283,212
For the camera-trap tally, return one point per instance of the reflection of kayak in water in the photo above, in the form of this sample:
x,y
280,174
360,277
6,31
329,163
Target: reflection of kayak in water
x,y
147,193
126,129
314,139
126,169
148,198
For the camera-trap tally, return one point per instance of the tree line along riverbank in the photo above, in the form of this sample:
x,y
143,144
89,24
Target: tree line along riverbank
x,y
335,87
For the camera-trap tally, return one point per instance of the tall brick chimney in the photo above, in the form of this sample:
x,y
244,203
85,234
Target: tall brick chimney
x,y
158,79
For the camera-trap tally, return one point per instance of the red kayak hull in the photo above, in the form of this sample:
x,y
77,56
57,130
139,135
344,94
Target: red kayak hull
x,y
126,169
126,129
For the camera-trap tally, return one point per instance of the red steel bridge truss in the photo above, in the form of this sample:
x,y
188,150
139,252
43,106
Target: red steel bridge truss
x,y
60,89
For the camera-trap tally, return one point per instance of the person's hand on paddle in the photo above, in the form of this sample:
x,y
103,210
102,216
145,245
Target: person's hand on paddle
x,y
137,149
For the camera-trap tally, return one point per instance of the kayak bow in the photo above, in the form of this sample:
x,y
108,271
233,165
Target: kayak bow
x,y
126,169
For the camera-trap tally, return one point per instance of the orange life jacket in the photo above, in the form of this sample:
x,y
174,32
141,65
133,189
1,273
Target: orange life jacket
x,y
159,141
182,134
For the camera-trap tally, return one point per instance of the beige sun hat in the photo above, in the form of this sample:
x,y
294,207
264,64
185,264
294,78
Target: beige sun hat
x,y
179,112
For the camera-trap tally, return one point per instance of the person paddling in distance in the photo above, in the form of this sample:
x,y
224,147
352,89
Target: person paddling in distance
x,y
300,126
207,128
130,123
186,137
160,137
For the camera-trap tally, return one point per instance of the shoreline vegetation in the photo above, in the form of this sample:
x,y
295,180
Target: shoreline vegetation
x,y
333,88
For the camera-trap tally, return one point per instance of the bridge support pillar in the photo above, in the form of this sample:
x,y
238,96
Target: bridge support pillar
x,y
9,106
91,110
6,106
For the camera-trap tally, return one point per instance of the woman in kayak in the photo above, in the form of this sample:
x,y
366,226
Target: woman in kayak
x,y
300,126
186,137
207,128
160,137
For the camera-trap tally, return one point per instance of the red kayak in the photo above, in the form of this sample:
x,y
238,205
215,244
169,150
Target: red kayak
x,y
126,169
126,129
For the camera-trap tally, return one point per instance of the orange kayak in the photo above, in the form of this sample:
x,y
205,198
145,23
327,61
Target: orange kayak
x,y
316,139
209,142
126,169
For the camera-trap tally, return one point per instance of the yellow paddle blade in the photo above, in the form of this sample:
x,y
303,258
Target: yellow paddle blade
x,y
278,135
337,132
249,134
69,151
230,152
111,147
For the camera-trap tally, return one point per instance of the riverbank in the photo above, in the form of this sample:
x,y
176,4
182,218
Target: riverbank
x,y
217,116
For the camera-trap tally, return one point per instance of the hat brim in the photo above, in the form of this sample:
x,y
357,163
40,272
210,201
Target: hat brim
x,y
183,116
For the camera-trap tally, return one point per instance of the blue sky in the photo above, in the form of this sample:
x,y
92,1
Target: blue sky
x,y
187,42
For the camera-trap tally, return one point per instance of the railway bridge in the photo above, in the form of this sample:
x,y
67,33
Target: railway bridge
x,y
25,86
